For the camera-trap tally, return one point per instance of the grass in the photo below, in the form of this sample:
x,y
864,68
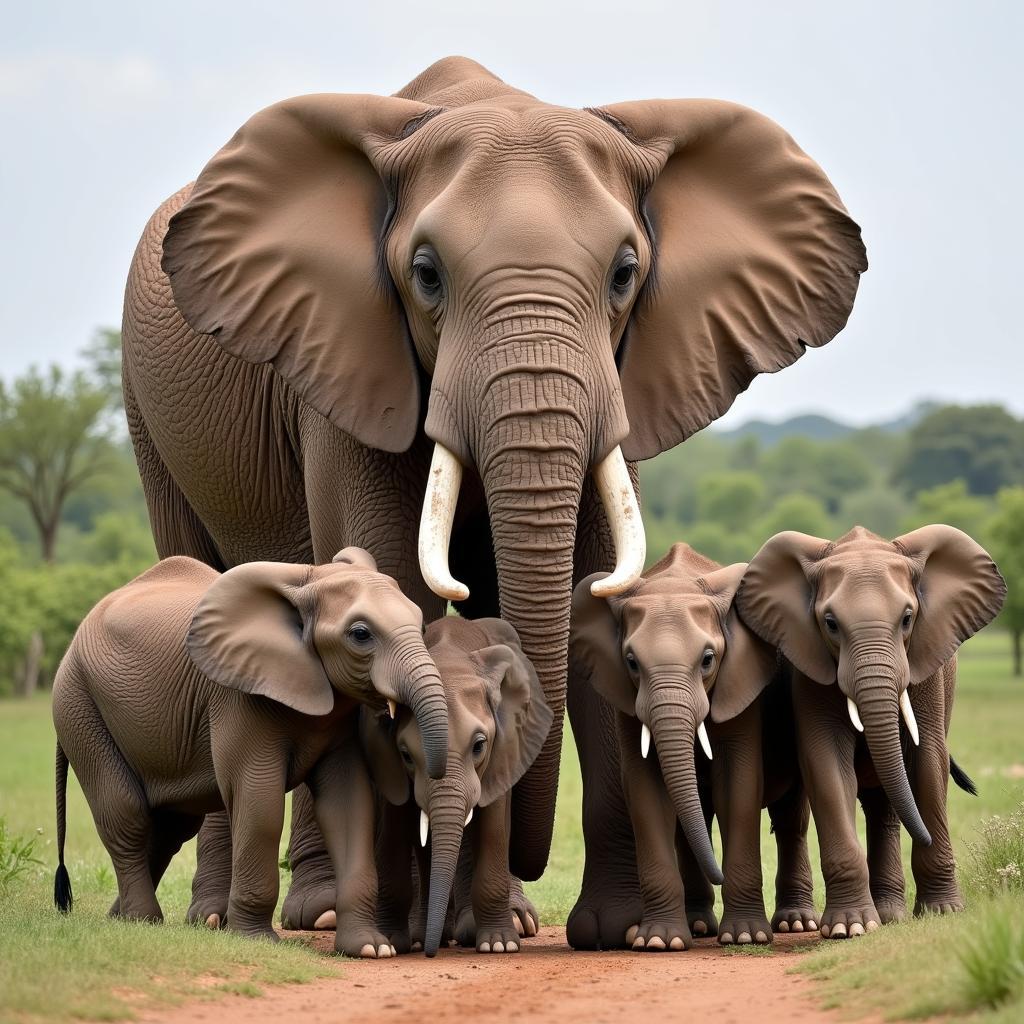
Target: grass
x,y
88,967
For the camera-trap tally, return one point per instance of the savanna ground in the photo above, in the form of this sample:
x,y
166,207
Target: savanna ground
x,y
85,966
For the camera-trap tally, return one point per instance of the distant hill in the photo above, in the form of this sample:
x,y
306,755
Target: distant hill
x,y
821,428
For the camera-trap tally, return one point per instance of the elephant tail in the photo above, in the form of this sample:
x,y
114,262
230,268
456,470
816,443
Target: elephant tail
x,y
961,778
62,895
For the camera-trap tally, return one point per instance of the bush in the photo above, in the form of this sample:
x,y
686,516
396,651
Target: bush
x,y
996,861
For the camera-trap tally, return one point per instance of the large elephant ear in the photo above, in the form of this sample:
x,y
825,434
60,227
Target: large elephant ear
x,y
776,600
377,734
959,590
253,631
755,258
522,717
594,643
748,663
276,254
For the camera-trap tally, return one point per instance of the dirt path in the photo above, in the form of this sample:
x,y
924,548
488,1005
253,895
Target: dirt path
x,y
545,982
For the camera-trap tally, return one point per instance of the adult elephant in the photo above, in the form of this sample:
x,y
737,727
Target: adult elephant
x,y
566,287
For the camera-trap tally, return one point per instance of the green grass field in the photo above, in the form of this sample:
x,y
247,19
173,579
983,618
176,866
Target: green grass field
x,y
89,967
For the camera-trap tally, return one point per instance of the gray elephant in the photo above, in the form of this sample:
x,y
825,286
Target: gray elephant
x,y
871,628
677,664
187,692
444,319
497,722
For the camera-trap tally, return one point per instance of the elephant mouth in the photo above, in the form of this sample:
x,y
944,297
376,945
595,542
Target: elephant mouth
x,y
617,498
906,710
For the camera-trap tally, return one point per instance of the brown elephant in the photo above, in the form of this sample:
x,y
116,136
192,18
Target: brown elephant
x,y
519,295
497,722
188,692
671,656
883,620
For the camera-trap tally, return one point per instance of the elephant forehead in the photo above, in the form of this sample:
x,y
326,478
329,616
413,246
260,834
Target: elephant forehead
x,y
684,616
343,590
872,574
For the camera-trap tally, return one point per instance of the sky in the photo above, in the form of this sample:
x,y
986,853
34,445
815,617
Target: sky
x,y
913,109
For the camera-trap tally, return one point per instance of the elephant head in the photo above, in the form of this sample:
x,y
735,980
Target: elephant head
x,y
498,720
300,634
573,286
876,617
668,651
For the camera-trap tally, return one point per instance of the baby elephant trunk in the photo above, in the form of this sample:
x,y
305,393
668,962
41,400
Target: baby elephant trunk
x,y
448,813
413,676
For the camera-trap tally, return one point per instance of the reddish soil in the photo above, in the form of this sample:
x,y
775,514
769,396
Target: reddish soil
x,y
545,982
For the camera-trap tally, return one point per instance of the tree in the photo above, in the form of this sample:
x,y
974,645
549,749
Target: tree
x,y
982,445
801,512
730,499
52,441
953,505
1006,541
103,357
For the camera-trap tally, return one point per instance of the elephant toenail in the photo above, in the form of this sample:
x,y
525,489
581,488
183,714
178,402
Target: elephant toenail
x,y
761,937
811,926
725,938
744,938
485,947
638,942
825,930
783,926
700,928
367,951
656,943
213,921
631,933
871,926
839,931
327,921
512,947
676,943
856,929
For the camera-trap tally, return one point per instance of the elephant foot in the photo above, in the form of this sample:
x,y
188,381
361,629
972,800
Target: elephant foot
x,y
502,939
849,922
354,938
208,911
891,910
399,939
702,921
600,921
942,905
743,929
524,913
795,919
310,902
653,936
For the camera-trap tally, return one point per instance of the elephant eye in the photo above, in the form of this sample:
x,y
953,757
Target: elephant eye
x,y
406,756
830,623
908,617
624,275
426,274
708,660
360,634
631,662
479,746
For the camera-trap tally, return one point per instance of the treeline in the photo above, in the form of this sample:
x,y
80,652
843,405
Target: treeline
x,y
73,522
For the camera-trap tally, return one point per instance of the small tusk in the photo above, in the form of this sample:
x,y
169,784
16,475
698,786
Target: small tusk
x,y
439,503
702,735
908,717
619,501
854,715
469,818
391,708
645,741
424,827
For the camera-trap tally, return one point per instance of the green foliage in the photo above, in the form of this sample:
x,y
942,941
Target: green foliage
x,y
730,500
952,504
1006,543
801,512
993,960
16,856
982,445
996,858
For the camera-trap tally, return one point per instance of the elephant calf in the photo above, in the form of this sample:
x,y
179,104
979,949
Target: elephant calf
x,y
189,691
664,654
871,628
497,722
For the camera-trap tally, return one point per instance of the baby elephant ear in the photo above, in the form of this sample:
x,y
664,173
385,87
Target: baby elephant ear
x,y
355,556
594,644
959,588
252,631
521,715
377,733
755,260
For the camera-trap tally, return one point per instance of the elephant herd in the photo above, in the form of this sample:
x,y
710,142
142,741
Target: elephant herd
x,y
387,353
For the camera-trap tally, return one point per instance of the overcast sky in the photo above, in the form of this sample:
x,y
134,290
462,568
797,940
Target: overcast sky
x,y
913,109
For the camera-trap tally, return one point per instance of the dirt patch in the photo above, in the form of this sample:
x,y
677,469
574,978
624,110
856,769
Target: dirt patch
x,y
545,982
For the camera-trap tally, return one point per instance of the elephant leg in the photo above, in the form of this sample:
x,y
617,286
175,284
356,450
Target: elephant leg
x,y
700,893
825,744
663,923
738,786
310,902
885,860
490,896
610,900
211,882
395,835
934,866
794,884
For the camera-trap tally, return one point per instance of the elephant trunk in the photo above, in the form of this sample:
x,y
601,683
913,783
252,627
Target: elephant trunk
x,y
674,717
410,672
448,813
875,688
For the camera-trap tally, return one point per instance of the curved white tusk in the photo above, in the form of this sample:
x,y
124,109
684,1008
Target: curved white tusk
x,y
854,715
424,828
391,708
619,501
645,741
908,717
436,525
702,735
469,818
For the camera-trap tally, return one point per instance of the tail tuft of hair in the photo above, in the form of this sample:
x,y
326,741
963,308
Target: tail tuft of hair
x,y
961,778
63,898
